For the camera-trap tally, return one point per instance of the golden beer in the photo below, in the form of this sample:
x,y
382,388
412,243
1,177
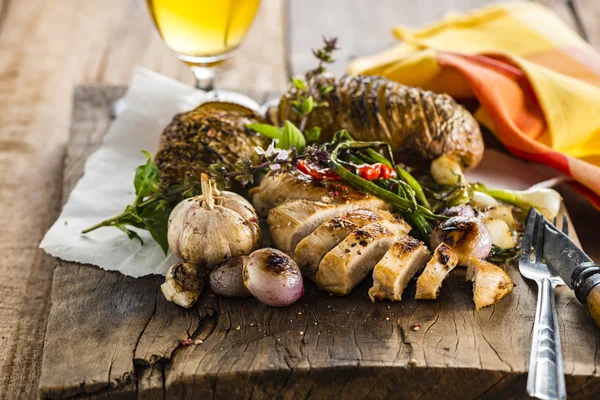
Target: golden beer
x,y
203,32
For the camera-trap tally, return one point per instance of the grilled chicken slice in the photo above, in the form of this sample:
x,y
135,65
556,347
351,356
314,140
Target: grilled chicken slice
x,y
403,260
312,248
291,222
282,188
350,261
490,283
437,269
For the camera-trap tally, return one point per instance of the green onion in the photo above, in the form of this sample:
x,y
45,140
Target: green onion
x,y
415,185
375,157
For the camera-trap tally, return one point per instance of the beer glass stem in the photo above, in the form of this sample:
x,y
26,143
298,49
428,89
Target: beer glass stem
x,y
205,78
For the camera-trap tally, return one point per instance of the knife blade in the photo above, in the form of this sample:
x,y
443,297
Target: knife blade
x,y
576,268
562,254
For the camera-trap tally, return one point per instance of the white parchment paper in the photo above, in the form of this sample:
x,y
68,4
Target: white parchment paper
x,y
107,183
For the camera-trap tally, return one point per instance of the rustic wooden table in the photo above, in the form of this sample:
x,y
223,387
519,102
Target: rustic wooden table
x,y
47,47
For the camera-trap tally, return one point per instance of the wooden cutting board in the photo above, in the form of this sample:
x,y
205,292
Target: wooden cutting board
x,y
111,336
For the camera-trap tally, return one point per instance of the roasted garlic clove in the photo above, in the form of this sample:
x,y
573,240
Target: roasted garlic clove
x,y
183,284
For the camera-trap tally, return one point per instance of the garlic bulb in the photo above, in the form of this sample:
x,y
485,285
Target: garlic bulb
x,y
213,227
183,284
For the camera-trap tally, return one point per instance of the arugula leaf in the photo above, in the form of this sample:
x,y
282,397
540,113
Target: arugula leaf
x,y
313,134
292,136
147,178
270,131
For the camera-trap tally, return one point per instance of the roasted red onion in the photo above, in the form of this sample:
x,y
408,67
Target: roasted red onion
x,y
273,277
461,210
466,236
227,279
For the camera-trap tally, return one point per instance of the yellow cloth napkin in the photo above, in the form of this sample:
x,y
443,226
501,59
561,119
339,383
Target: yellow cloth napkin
x,y
538,83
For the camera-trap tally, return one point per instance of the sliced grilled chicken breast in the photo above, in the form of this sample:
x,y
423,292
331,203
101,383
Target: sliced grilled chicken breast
x,y
312,248
490,283
403,260
282,188
350,261
291,222
437,269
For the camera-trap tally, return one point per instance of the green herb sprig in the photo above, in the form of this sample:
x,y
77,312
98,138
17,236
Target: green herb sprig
x,y
152,205
304,104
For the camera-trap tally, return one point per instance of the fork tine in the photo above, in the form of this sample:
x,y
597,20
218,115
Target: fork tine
x,y
539,238
528,235
565,225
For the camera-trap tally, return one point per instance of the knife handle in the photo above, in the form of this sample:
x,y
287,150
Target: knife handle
x,y
593,304
586,282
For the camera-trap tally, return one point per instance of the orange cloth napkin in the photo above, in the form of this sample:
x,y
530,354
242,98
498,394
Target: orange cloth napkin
x,y
537,82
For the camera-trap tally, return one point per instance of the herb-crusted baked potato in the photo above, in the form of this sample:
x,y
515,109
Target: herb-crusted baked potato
x,y
211,133
419,125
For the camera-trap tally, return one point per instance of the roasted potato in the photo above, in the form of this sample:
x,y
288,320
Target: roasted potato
x,y
420,125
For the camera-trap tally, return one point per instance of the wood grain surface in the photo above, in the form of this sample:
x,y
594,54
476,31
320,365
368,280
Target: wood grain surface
x,y
46,48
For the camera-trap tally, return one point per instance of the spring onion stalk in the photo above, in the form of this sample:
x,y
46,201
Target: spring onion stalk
x,y
377,158
410,193
546,201
414,184
355,160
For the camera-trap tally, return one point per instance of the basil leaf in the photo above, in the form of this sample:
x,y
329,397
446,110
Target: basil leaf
x,y
313,134
147,177
270,131
326,89
299,83
157,222
291,136
308,105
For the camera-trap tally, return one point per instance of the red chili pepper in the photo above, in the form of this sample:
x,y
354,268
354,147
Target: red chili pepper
x,y
369,172
387,172
316,173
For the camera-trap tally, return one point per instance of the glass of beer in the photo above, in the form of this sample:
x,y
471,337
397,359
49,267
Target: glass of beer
x,y
203,33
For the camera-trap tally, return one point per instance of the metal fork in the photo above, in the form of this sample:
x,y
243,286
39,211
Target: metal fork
x,y
546,378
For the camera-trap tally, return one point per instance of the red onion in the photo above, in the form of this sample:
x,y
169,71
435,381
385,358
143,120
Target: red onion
x,y
273,277
227,279
466,236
